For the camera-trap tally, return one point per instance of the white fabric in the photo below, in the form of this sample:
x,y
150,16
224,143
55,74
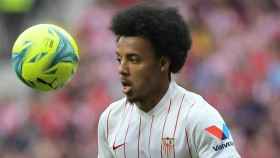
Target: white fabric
x,y
181,125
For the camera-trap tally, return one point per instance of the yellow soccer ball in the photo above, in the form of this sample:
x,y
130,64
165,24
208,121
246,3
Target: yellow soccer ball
x,y
45,57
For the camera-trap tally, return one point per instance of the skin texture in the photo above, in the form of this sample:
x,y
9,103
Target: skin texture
x,y
144,76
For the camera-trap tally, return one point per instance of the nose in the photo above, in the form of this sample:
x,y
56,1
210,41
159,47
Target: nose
x,y
123,68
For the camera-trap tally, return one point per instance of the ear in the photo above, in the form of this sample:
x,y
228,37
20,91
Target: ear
x,y
164,64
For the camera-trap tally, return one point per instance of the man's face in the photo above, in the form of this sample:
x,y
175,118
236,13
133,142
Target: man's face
x,y
138,67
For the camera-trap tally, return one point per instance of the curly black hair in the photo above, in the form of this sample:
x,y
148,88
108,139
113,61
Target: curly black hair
x,y
164,27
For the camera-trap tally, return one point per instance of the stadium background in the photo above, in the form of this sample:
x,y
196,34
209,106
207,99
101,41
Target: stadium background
x,y
234,63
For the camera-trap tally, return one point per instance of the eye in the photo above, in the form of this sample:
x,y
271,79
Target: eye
x,y
134,59
118,58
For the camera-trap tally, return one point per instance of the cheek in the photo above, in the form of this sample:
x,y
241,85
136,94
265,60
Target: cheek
x,y
146,76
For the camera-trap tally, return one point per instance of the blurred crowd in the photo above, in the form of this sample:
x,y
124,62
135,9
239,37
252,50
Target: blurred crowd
x,y
234,64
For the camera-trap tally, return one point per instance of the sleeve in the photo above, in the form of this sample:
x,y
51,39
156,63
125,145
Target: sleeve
x,y
103,148
209,135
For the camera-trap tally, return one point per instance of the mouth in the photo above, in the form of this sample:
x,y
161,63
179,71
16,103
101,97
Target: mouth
x,y
126,86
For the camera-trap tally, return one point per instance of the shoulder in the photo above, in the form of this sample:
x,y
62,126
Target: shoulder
x,y
197,104
202,113
198,112
207,130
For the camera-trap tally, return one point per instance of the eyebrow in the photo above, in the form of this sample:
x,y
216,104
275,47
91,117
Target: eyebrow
x,y
128,54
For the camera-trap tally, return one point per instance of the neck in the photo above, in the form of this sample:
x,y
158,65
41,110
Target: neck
x,y
151,101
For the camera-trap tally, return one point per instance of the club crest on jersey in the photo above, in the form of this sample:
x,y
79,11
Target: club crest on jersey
x,y
218,133
167,145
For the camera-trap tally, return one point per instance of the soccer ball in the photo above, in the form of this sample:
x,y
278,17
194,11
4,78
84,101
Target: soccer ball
x,y
45,57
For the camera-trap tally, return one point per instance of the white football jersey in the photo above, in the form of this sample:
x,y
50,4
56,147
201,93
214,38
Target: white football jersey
x,y
181,125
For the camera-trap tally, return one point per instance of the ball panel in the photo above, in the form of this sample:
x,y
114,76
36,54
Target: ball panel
x,y
45,57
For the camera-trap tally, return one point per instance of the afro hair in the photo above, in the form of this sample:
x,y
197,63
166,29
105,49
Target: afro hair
x,y
164,27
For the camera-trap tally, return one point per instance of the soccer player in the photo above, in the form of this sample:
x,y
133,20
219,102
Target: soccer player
x,y
157,118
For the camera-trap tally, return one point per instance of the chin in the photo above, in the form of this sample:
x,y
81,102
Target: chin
x,y
131,99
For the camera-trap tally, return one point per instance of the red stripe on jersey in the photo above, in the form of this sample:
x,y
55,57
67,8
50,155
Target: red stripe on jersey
x,y
177,123
125,103
139,137
122,123
178,116
107,126
188,145
126,133
164,127
187,137
150,135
